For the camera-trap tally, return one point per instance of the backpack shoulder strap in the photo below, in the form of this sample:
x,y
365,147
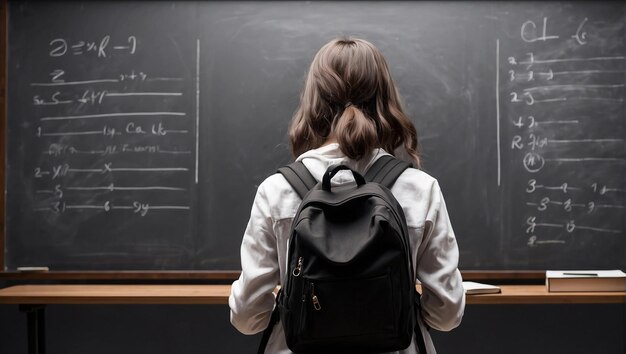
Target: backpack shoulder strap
x,y
386,170
298,177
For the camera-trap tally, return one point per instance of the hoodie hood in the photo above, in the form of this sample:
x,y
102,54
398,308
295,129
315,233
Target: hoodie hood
x,y
319,160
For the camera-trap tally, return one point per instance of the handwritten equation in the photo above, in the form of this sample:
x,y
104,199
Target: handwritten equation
x,y
109,139
101,48
561,100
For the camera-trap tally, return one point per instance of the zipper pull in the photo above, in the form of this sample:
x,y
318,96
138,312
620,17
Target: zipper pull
x,y
316,302
298,269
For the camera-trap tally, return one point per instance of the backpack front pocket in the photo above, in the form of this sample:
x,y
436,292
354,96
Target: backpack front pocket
x,y
344,308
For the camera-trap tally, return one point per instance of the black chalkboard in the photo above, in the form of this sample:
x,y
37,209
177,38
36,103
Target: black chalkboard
x,y
139,131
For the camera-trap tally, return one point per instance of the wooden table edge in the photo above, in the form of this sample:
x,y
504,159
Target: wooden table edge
x,y
538,294
116,294
218,295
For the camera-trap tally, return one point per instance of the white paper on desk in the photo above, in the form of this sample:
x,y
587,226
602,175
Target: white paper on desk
x,y
472,288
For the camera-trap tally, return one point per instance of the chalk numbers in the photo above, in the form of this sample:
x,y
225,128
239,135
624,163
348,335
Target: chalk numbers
x,y
551,145
525,97
104,127
568,204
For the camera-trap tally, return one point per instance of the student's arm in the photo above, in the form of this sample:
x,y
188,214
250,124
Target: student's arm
x,y
443,297
252,299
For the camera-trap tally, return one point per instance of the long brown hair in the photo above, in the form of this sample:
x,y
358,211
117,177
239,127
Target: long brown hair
x,y
349,96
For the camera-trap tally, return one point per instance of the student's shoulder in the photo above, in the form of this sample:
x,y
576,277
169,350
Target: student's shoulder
x,y
277,192
275,183
419,194
279,197
417,180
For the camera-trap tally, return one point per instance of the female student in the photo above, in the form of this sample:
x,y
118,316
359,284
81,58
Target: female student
x,y
350,113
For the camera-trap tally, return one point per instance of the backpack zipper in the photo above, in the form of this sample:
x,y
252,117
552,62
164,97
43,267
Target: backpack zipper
x,y
296,272
316,302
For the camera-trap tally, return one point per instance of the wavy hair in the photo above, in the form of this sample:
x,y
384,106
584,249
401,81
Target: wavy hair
x,y
349,95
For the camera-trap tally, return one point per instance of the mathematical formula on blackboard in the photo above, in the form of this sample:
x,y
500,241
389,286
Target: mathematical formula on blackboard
x,y
550,136
84,125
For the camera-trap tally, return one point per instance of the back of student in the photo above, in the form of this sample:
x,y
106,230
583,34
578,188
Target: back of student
x,y
349,114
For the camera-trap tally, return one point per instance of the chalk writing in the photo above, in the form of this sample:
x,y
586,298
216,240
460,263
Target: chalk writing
x,y
101,48
565,156
136,207
112,136
58,78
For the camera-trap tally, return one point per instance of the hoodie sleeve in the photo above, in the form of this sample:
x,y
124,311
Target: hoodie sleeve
x,y
252,299
443,297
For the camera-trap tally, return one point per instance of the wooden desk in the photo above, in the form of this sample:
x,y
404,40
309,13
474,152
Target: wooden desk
x,y
538,294
218,295
33,298
116,294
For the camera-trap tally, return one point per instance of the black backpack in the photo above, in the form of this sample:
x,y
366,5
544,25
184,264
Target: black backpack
x,y
350,286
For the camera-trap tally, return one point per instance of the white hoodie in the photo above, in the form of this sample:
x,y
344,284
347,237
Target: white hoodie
x,y
264,247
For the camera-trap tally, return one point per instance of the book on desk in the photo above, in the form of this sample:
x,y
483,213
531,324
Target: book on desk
x,y
585,280
473,288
